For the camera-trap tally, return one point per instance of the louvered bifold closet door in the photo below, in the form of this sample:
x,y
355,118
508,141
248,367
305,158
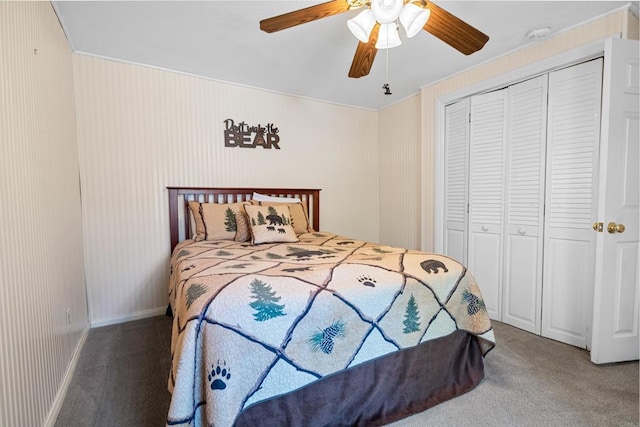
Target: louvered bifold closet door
x,y
525,153
455,197
571,186
486,195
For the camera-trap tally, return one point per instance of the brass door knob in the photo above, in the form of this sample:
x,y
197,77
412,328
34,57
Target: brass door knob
x,y
612,227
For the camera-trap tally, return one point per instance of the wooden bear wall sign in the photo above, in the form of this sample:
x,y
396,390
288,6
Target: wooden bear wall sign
x,y
247,136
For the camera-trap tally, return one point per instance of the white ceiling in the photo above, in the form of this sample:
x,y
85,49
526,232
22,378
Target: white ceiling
x,y
222,40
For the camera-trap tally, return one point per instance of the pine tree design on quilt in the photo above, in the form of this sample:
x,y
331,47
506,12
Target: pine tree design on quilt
x,y
304,254
265,300
380,250
475,304
324,338
194,292
411,317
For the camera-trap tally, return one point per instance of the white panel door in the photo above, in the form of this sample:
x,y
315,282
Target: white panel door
x,y
456,167
571,195
525,154
615,317
486,195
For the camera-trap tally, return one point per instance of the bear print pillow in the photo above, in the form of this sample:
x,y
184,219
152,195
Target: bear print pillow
x,y
270,224
299,217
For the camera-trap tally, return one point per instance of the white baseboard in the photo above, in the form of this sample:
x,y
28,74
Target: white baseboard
x,y
66,381
134,316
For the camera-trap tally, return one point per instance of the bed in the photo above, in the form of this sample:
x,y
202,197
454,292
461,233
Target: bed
x,y
277,323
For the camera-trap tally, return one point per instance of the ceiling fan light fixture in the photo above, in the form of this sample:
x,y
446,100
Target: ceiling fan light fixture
x,y
388,36
362,25
386,11
413,18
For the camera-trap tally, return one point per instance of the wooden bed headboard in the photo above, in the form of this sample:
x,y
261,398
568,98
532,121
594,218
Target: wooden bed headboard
x,y
179,198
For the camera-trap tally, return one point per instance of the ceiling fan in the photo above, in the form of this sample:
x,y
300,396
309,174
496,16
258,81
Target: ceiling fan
x,y
377,26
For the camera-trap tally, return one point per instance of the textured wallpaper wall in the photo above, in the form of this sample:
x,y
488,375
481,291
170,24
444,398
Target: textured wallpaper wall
x,y
43,310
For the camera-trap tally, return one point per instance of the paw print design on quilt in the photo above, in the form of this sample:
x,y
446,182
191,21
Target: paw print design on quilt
x,y
367,281
218,375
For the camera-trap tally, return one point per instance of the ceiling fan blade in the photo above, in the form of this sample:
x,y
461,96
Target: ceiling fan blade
x,y
454,31
303,16
365,54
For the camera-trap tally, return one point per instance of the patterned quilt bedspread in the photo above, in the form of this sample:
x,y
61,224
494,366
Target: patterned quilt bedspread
x,y
255,322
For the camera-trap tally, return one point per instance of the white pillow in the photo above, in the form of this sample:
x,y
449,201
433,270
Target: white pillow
x,y
264,198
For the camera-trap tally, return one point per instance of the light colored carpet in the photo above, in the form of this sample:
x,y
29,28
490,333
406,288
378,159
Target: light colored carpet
x,y
121,381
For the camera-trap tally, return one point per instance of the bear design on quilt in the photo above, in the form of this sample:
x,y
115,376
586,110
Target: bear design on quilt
x,y
432,266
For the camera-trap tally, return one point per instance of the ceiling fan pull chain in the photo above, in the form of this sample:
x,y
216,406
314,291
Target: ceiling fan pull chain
x,y
387,89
